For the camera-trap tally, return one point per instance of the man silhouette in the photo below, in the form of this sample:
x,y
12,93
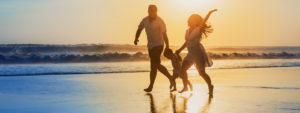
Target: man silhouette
x,y
156,36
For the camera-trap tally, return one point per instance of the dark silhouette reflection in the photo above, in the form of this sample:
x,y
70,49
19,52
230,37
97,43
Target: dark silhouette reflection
x,y
152,105
177,107
206,105
185,100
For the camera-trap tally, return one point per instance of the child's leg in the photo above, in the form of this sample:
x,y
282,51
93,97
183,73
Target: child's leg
x,y
185,66
174,81
174,87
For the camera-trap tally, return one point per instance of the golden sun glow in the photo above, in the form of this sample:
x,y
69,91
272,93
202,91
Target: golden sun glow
x,y
195,4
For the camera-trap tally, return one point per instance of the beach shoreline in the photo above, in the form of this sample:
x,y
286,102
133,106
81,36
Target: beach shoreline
x,y
236,90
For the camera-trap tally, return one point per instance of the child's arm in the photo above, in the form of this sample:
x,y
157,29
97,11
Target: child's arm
x,y
206,17
178,56
181,48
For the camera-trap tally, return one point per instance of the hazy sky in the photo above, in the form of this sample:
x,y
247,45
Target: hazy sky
x,y
237,23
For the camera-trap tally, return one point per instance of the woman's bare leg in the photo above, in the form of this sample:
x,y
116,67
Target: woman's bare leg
x,y
205,76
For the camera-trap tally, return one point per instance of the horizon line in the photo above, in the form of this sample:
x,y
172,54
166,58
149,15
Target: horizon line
x,y
146,45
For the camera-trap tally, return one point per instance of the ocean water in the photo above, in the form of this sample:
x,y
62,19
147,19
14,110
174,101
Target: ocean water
x,y
131,67
17,60
20,54
97,78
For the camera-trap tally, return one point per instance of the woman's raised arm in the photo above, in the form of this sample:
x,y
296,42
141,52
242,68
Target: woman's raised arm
x,y
207,16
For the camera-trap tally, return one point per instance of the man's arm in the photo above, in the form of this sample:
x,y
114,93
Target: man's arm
x,y
166,40
137,35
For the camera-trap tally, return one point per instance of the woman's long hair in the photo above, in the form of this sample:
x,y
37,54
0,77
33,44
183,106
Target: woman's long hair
x,y
206,29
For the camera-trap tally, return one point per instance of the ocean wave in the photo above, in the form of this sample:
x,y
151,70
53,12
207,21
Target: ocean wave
x,y
71,58
138,56
269,87
282,54
39,53
79,48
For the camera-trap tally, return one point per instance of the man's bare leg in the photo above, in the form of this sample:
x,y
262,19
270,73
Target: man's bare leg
x,y
153,73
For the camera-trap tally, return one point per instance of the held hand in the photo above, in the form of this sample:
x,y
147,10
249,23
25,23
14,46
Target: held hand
x,y
213,10
167,47
136,42
178,51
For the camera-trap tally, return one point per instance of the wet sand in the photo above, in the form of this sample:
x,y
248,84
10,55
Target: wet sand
x,y
248,90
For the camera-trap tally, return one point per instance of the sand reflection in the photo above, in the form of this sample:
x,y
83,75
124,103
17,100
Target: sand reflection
x,y
180,103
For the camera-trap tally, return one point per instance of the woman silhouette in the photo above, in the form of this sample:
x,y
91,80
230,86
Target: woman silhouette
x,y
196,52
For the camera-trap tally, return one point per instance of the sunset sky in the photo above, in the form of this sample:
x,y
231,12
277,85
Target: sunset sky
x,y
237,22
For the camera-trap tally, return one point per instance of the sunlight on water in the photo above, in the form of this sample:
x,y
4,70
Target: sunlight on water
x,y
123,93
188,102
184,51
134,67
192,70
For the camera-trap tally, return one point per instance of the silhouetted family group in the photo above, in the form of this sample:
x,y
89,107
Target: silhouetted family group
x,y
156,34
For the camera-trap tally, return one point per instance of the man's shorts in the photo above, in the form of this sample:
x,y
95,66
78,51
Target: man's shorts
x,y
154,54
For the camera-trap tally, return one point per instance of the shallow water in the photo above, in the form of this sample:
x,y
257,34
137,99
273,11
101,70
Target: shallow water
x,y
131,67
248,90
